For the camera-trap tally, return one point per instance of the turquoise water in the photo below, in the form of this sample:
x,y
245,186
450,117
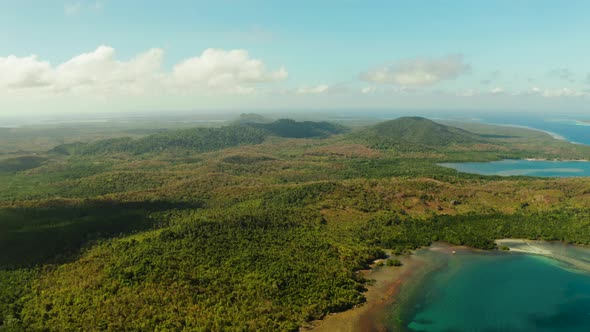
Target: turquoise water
x,y
509,292
540,168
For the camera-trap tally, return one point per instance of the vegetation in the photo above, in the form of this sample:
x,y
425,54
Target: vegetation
x,y
247,228
20,163
198,139
248,132
249,118
306,129
416,132
254,269
394,262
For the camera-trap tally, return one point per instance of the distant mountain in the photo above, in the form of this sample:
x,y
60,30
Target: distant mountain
x,y
196,139
414,132
205,139
249,118
305,129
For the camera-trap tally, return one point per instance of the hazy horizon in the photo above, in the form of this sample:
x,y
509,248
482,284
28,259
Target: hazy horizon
x,y
299,114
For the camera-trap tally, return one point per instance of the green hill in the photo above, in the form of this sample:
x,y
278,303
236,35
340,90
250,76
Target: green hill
x,y
416,132
195,139
305,129
248,118
205,139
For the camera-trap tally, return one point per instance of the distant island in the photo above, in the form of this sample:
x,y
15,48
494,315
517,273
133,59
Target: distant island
x,y
583,122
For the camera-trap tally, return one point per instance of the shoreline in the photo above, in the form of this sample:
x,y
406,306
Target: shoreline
x,y
387,282
383,295
555,160
550,133
542,248
391,285
525,159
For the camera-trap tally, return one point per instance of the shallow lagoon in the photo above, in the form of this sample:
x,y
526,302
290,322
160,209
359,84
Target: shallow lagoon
x,y
510,167
500,291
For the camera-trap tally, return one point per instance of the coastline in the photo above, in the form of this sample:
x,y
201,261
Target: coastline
x,y
387,283
555,160
550,133
391,288
545,249
394,286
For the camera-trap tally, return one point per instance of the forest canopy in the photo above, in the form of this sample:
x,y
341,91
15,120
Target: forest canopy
x,y
259,225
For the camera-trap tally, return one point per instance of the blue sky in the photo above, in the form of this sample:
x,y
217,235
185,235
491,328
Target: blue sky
x,y
133,55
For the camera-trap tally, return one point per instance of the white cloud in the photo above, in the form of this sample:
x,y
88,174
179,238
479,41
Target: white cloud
x,y
497,90
418,71
218,69
99,71
27,72
368,90
314,90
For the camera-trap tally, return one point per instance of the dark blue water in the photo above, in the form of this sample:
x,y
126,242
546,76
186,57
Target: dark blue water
x,y
501,292
540,168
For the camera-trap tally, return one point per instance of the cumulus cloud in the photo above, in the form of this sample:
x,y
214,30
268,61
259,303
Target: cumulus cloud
x,y
27,72
418,71
224,70
215,70
100,70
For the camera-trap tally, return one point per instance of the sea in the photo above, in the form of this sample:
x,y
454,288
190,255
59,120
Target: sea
x,y
572,128
483,291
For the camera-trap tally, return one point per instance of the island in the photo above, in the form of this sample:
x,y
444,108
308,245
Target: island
x,y
260,224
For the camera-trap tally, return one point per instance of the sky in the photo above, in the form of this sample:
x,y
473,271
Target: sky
x,y
110,56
